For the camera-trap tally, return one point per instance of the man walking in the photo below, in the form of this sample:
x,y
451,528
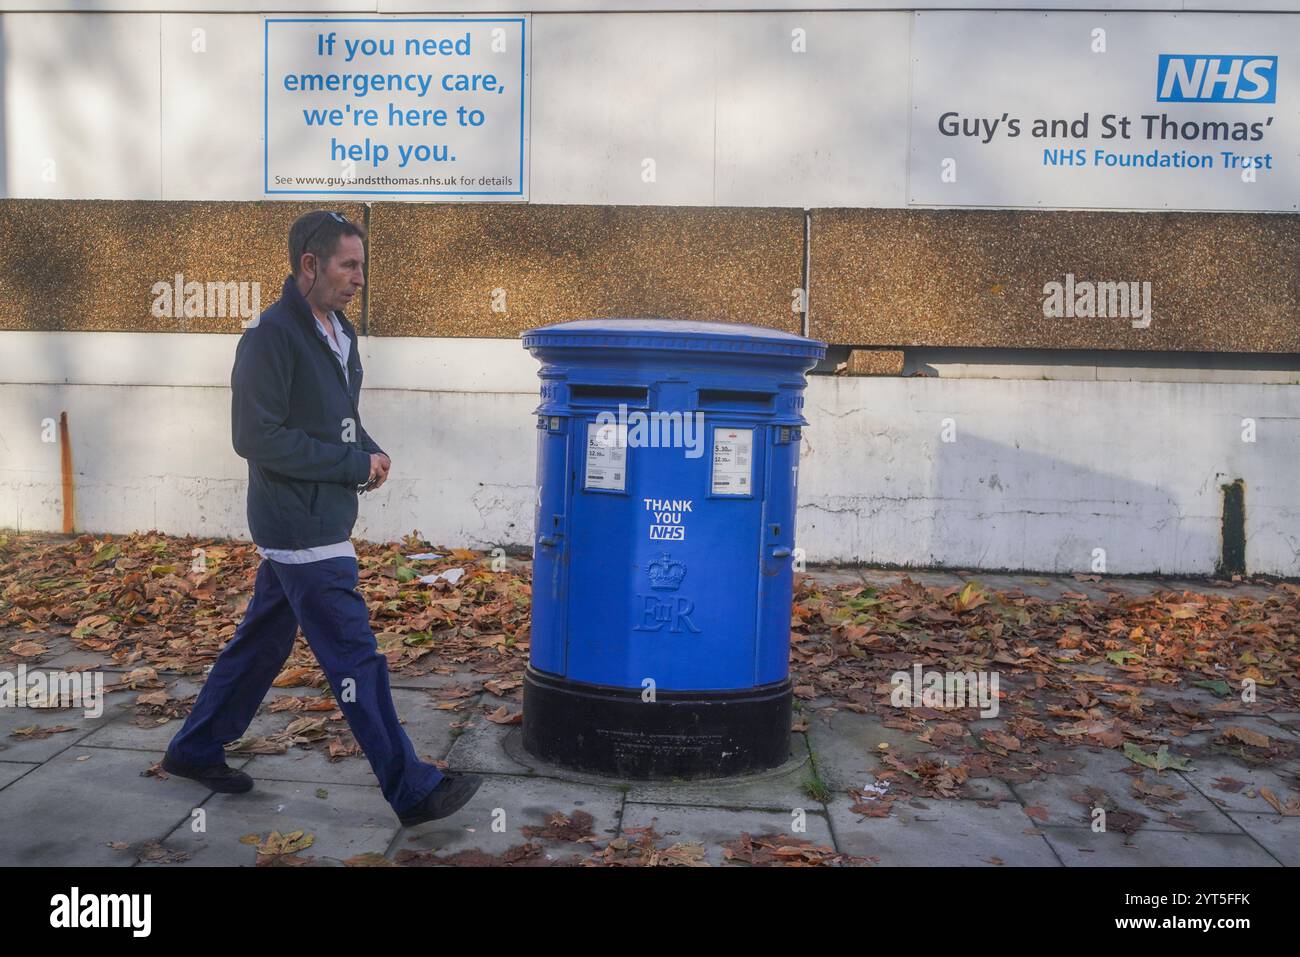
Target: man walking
x,y
295,389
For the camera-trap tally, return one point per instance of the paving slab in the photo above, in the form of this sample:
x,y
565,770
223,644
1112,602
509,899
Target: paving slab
x,y
54,645
1111,772
1206,742
1187,694
878,577
955,833
73,657
714,827
128,732
1287,728
505,804
486,746
429,728
398,680
928,577
1205,587
311,766
1082,847
116,705
1290,720
345,820
67,811
846,750
155,736
835,577
1100,592
845,746
1278,834
89,792
1131,587
780,789
12,771
1211,769
497,748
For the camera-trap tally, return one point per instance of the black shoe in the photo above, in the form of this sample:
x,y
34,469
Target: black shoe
x,y
452,793
218,777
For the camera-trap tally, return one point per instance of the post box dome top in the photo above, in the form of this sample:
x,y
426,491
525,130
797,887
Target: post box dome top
x,y
672,334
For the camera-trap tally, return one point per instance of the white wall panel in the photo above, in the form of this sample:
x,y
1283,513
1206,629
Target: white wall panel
x,y
81,99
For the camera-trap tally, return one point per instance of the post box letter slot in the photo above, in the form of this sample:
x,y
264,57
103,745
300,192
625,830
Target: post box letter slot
x,y
734,400
607,396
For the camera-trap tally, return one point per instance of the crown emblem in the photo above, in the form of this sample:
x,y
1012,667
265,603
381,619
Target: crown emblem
x,y
665,573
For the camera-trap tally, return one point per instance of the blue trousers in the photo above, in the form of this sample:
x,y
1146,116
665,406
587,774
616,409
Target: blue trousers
x,y
322,597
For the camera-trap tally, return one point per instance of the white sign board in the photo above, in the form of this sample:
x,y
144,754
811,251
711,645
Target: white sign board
x,y
411,107
733,462
1106,111
606,457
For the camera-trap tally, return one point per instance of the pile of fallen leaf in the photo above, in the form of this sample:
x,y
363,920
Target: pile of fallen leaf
x,y
634,847
553,845
1073,670
156,603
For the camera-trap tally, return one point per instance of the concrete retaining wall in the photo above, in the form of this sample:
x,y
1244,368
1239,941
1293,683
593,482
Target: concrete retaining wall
x,y
1038,475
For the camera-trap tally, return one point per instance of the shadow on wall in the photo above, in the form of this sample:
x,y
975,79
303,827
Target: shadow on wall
x,y
81,67
997,505
904,497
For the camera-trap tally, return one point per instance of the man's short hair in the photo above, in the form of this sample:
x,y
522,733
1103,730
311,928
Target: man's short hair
x,y
319,232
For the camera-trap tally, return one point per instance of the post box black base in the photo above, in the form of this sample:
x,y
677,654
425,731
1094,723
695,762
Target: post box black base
x,y
681,734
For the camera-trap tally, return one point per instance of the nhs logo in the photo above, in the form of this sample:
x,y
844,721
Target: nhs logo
x,y
1197,78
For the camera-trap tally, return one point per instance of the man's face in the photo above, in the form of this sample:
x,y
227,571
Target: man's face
x,y
339,278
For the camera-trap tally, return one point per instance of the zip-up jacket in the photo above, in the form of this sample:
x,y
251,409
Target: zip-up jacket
x,y
296,421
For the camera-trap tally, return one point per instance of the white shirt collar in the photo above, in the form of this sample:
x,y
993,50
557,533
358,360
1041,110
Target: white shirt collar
x,y
334,320
344,347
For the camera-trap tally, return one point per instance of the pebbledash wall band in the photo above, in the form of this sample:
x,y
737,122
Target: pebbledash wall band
x,y
667,469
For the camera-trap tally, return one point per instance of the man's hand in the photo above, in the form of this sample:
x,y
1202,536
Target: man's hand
x,y
379,466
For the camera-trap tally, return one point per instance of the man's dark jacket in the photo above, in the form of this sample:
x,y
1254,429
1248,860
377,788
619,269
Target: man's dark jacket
x,y
296,421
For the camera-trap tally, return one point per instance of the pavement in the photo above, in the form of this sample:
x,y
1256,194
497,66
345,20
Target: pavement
x,y
86,795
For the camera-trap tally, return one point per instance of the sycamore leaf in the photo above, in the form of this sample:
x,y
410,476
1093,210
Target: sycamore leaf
x,y
105,554
1159,761
1123,657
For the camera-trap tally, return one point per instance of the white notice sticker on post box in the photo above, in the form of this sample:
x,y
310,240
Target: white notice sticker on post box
x,y
606,456
733,461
